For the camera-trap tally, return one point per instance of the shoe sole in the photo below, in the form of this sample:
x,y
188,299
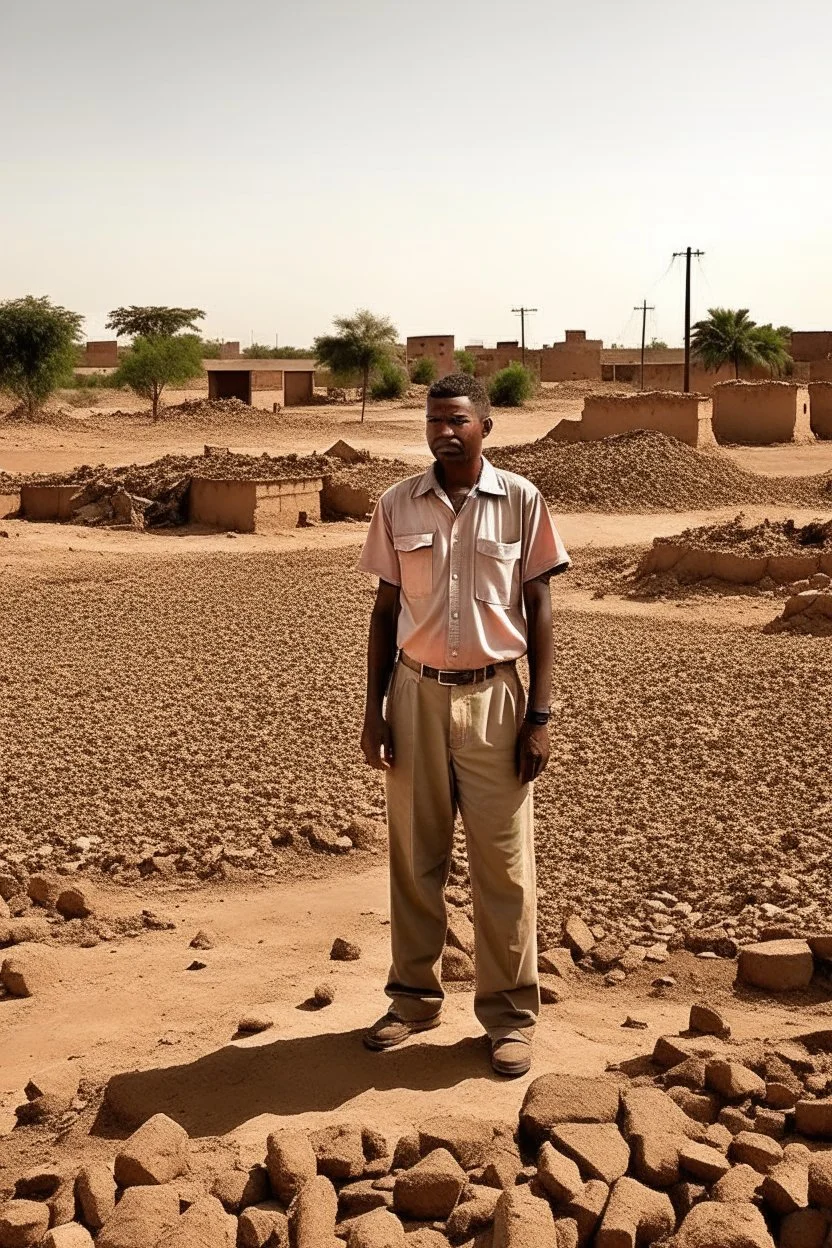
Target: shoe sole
x,y
511,1071
380,1046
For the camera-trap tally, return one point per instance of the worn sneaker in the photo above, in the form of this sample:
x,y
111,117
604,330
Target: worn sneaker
x,y
390,1030
511,1056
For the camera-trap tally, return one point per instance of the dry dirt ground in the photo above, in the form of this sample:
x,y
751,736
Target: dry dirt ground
x,y
178,727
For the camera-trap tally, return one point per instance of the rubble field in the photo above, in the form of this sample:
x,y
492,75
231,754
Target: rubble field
x,y
184,738
643,471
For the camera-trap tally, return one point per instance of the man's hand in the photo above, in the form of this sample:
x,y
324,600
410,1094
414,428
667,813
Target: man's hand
x,y
532,750
377,741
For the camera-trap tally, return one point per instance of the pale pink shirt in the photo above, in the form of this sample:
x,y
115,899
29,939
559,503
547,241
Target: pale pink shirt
x,y
461,576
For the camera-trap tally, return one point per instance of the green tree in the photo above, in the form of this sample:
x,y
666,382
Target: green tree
x,y
210,348
465,362
154,322
362,344
657,344
259,351
729,336
389,382
38,345
423,371
155,362
512,386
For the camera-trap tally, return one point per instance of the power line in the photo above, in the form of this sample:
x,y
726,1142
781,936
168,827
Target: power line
x,y
643,309
687,253
522,312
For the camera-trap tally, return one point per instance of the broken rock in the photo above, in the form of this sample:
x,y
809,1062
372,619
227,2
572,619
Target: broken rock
x,y
577,936
344,950
523,1220
263,1226
204,1224
30,971
23,1223
716,1225
708,1022
471,1141
95,1194
635,1215
555,1098
156,1153
313,1213
558,1175
338,1151
777,965
431,1188
598,1149
141,1217
70,1235
291,1162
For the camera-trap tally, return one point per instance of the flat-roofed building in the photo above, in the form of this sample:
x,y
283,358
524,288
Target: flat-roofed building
x,y
262,383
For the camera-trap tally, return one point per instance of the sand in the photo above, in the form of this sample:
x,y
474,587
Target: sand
x,y
180,736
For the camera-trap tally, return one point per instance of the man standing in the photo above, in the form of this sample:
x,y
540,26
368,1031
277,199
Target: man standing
x,y
463,553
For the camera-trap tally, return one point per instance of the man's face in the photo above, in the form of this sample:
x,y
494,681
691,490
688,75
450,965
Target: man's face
x,y
454,430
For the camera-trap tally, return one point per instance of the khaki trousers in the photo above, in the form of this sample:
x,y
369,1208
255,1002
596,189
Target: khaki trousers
x,y
454,748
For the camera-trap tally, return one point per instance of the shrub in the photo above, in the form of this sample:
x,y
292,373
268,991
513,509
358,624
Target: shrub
x,y
465,362
423,372
511,386
390,382
93,381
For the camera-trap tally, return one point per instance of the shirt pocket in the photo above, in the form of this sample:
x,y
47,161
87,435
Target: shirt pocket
x,y
415,555
494,568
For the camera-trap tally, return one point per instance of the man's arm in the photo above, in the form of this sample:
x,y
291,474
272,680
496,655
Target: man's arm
x,y
533,741
376,738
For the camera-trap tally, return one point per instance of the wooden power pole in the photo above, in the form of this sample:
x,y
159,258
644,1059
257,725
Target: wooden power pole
x,y
687,253
643,309
522,312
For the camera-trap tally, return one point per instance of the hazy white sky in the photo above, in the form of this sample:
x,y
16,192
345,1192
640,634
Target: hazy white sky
x,y
438,162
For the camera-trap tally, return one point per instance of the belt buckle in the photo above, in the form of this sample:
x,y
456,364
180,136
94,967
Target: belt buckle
x,y
440,673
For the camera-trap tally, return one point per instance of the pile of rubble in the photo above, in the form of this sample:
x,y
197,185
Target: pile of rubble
x,y
715,1145
808,608
642,471
770,554
646,471
142,496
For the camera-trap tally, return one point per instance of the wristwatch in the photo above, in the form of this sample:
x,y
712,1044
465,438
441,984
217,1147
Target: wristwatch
x,y
538,717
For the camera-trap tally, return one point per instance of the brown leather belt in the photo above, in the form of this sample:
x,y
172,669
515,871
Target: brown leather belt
x,y
464,676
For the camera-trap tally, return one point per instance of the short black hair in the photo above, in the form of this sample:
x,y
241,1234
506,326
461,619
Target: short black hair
x,y
463,385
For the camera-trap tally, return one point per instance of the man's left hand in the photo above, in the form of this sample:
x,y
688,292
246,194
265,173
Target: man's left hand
x,y
532,750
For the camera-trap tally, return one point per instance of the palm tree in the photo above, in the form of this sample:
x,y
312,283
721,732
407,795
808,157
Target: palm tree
x,y
363,343
731,337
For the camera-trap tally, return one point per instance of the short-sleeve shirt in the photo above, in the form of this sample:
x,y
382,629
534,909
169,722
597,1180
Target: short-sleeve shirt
x,y
461,575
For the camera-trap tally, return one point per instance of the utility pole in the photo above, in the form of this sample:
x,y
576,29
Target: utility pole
x,y
687,253
522,312
643,309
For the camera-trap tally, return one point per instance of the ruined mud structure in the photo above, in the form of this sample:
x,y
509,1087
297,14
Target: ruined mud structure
x,y
761,413
820,408
743,554
686,417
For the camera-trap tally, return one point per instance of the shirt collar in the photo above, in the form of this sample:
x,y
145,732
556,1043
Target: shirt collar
x,y
489,482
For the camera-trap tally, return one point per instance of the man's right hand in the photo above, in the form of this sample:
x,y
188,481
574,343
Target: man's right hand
x,y
377,741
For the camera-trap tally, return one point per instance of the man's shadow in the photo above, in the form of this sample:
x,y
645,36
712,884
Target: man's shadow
x,y
216,1093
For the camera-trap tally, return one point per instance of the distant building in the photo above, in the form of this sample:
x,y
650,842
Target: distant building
x,y
229,350
576,358
261,382
436,347
102,354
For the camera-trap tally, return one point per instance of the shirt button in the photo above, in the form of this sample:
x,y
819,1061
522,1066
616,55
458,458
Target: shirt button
x,y
454,654
455,615
454,576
